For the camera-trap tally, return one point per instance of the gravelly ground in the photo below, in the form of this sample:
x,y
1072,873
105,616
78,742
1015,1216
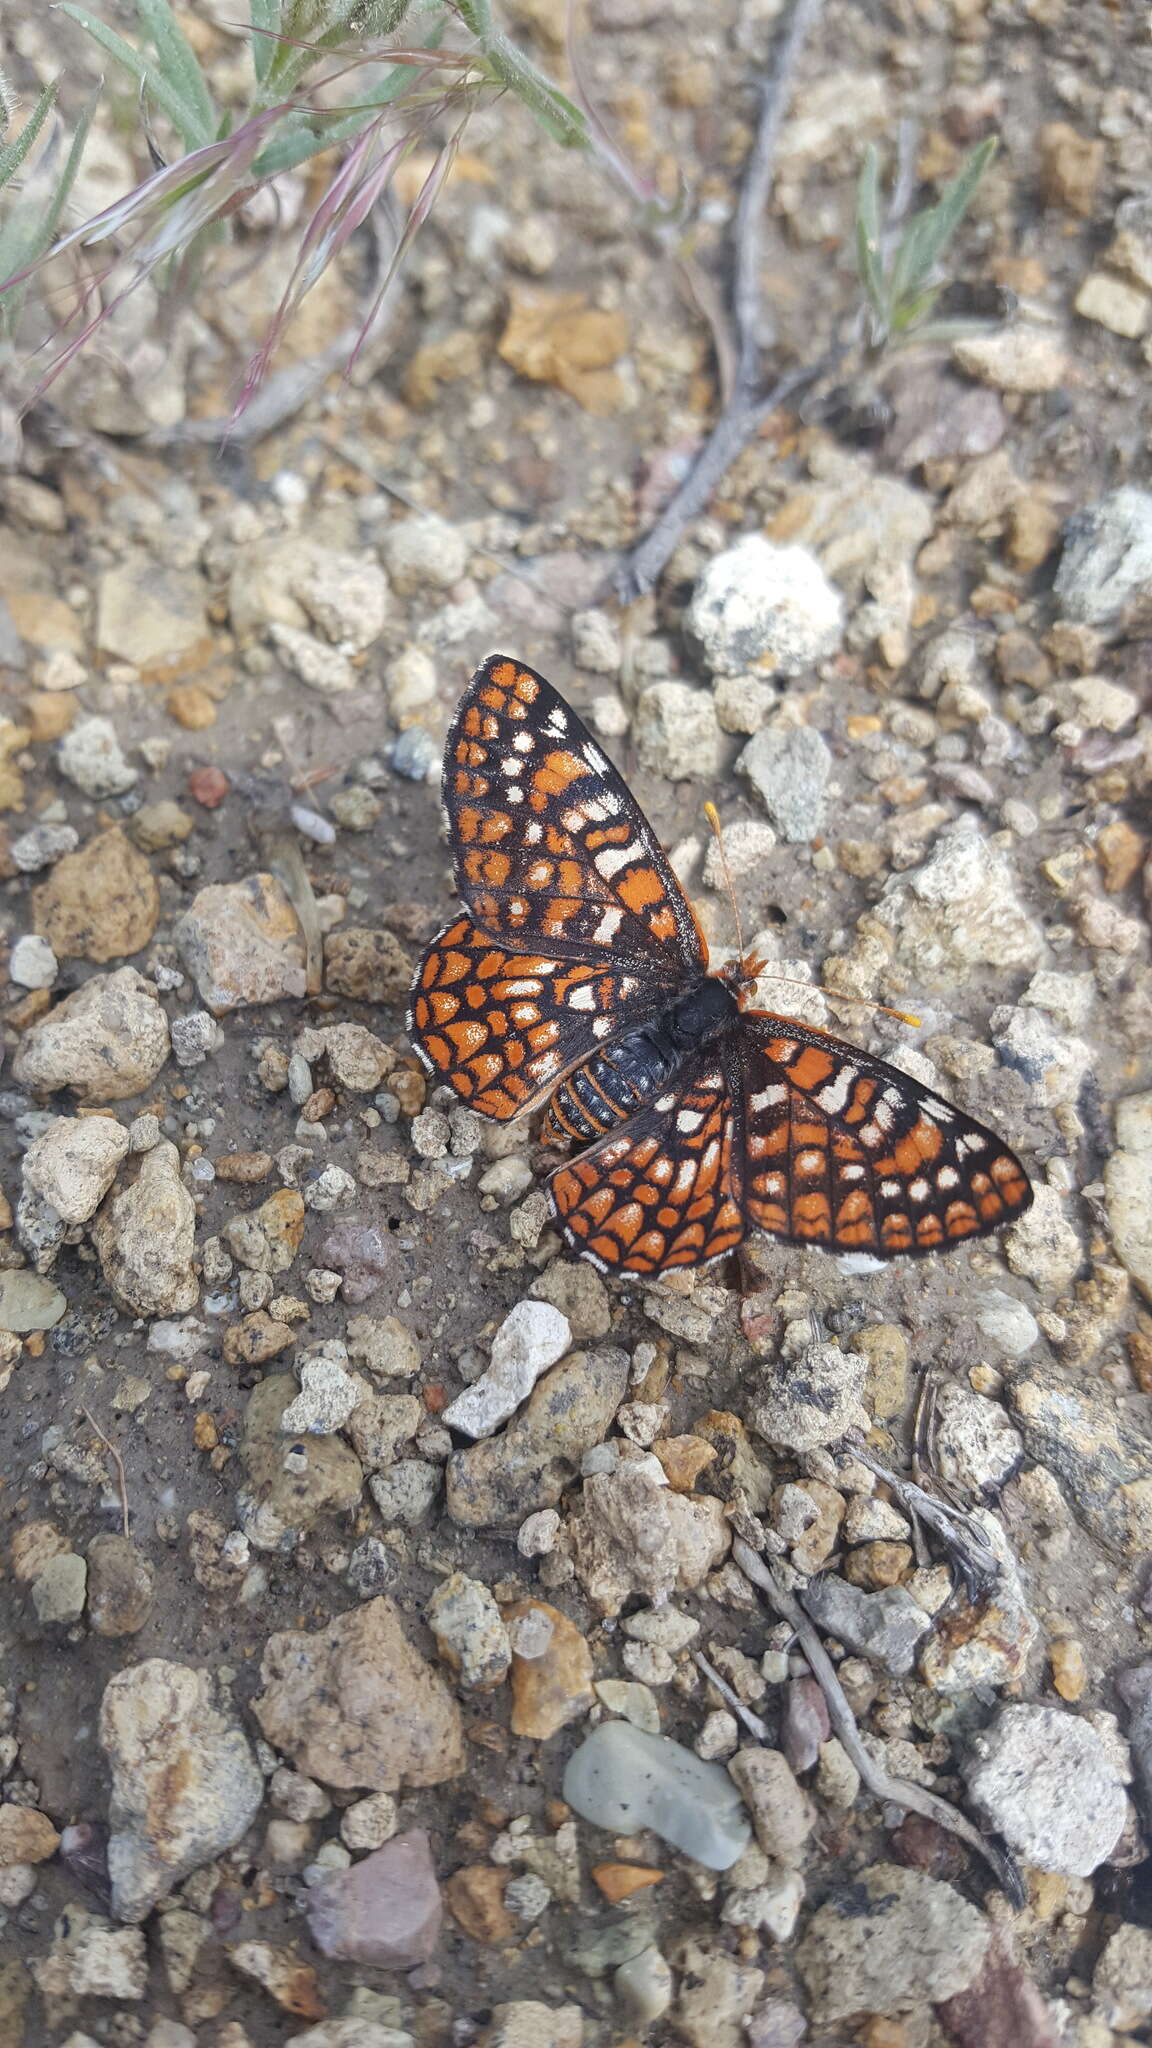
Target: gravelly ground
x,y
151,588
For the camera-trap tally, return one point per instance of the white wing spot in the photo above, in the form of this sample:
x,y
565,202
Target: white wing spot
x,y
685,1177
971,1141
512,766
919,1190
525,1013
523,743
595,759
768,1098
834,1094
664,1103
601,1026
810,1162
529,986
851,1173
533,832
608,927
891,1190
611,859
582,998
556,723
514,794
947,1177
689,1120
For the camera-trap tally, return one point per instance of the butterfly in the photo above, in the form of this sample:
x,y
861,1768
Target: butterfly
x,y
576,975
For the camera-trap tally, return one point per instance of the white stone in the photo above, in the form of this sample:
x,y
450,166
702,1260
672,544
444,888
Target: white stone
x,y
533,1336
90,755
765,609
73,1163
32,964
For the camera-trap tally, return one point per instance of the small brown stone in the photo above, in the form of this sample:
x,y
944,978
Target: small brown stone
x,y
205,1434
191,707
257,1338
618,1881
249,1167
1069,1670
410,1089
33,1546
1021,659
23,1015
683,1459
100,903
120,1581
555,1687
208,787
26,1836
1140,1359
1121,850
49,713
320,1104
369,966
475,1898
874,1565
1071,166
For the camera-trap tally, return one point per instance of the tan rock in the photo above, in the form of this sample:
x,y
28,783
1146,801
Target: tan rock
x,y
475,1898
1071,166
242,944
369,966
26,1836
256,1338
99,903
33,1546
554,1685
619,1881
558,338
107,1041
873,1565
152,616
145,1238
354,1704
684,1458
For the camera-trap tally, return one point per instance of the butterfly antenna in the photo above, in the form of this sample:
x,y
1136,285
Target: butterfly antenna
x,y
838,995
713,817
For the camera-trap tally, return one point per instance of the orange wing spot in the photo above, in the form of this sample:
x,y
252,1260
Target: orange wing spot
x,y
440,1052
863,1091
991,1206
443,1005
628,1222
470,754
662,925
543,1035
812,1067
600,1203
640,888
487,1067
780,1051
960,1219
650,1246
468,1039
667,1218
929,1231
497,826
852,1208
487,866
468,823
812,1215
809,1134
557,772
850,1234
1010,1180
922,1142
769,1216
896,1233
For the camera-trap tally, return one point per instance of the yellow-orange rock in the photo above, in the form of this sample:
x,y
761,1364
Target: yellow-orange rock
x,y
99,903
618,1881
683,1459
475,1898
554,1685
558,338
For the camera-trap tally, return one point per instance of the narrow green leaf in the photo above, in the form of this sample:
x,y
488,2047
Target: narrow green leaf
x,y
868,259
67,176
182,116
265,19
563,121
14,153
942,220
179,67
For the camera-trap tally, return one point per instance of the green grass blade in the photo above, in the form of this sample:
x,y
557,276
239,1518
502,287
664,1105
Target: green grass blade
x,y
942,220
868,260
149,75
563,121
179,67
67,176
265,19
14,153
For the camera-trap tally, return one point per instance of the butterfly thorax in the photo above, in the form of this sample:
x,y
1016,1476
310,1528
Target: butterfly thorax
x,y
634,1069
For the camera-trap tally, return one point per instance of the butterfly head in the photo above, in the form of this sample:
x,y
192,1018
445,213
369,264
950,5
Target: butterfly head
x,y
742,975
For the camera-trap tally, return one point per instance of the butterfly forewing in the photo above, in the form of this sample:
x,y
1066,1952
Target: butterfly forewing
x,y
666,1189
502,1028
845,1151
551,849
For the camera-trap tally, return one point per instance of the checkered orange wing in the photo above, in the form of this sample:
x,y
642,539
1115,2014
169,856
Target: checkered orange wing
x,y
502,1027
552,851
847,1152
666,1189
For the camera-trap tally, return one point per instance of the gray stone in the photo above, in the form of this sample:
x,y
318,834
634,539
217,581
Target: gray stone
x,y
423,552
961,909
815,1399
623,1780
90,756
107,1041
58,1594
415,755
976,1447
1006,1323
146,1236
788,767
470,1635
242,944
893,1941
764,608
1105,573
32,963
677,733
1044,1780
497,1482
782,1813
643,1987
1105,1465
29,1302
1128,1183
42,845
73,1163
185,1784
533,1336
194,1035
1122,1980
406,1491
328,1392
886,1626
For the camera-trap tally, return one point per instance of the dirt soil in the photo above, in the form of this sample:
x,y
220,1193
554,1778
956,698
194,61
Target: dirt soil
x,y
541,493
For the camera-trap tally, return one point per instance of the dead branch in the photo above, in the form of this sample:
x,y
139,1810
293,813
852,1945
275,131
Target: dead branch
x,y
118,1461
743,413
897,1791
752,1722
959,1532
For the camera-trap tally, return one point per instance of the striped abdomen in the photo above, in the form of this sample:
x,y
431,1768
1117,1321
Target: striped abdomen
x,y
612,1085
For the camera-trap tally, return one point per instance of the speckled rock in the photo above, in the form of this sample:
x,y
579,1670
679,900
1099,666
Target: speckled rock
x,y
551,1669
961,909
120,1582
677,733
630,1535
788,766
470,1632
107,1041
242,944
90,756
886,1626
497,1482
99,903
987,1642
767,609
1044,1780
290,1482
1122,1980
370,966
1105,573
185,1785
73,1163
533,1336
813,1400
29,1301
976,1447
1128,1182
355,1705
1104,1462
146,1236
893,1941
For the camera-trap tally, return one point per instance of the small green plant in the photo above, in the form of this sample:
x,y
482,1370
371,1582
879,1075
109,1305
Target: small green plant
x,y
36,199
901,278
210,161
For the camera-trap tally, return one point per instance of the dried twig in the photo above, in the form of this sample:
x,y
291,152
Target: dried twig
x,y
118,1461
752,1722
897,1791
963,1538
744,413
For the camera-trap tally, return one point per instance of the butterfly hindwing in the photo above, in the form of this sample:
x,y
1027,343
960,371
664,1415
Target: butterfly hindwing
x,y
850,1153
552,851
665,1189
